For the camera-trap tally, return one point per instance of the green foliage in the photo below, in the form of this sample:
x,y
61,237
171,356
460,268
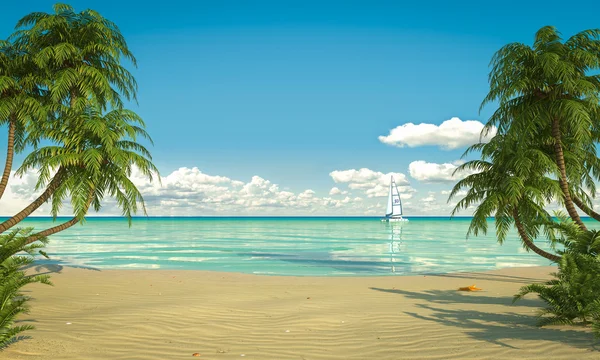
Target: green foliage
x,y
510,175
98,157
70,66
544,152
80,52
12,280
63,85
552,85
572,296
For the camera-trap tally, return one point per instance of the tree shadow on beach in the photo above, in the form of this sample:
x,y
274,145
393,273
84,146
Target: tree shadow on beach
x,y
15,340
491,277
455,297
498,328
495,328
48,266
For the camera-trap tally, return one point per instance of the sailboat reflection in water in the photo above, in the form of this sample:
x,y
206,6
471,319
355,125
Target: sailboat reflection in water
x,y
395,243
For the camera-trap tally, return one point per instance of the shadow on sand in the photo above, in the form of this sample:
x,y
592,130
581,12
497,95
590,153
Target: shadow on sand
x,y
456,297
48,266
491,277
495,328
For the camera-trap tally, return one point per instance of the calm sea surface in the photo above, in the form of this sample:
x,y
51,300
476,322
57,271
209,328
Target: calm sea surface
x,y
285,246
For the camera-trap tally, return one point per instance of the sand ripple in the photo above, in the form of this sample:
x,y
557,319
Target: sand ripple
x,y
145,314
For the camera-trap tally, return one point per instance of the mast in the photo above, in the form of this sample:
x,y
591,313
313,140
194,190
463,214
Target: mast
x,y
397,206
390,209
396,202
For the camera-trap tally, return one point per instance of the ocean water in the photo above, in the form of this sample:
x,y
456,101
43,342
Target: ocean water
x,y
285,246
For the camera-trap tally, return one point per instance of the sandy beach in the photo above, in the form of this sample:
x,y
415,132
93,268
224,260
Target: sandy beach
x,y
161,314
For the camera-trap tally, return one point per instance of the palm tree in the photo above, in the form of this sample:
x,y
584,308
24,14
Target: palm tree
x,y
20,103
549,88
80,56
97,159
509,183
81,53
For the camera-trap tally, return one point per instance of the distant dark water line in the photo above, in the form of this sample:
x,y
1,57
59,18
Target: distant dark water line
x,y
257,218
285,218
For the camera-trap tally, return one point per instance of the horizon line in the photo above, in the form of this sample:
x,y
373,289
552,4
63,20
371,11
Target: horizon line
x,y
249,216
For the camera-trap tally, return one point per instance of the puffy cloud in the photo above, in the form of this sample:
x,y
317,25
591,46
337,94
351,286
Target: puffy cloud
x,y
19,193
460,193
335,191
450,134
189,191
364,177
372,183
433,172
430,198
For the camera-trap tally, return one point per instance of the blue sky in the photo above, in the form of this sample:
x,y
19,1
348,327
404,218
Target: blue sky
x,y
291,91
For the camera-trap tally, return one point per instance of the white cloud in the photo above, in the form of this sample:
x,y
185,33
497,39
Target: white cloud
x,y
433,172
189,191
19,193
430,198
460,193
335,191
451,134
372,183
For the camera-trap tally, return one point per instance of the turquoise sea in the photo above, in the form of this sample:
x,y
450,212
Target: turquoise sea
x,y
285,246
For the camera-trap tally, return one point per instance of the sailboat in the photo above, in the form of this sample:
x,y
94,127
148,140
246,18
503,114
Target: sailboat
x,y
394,204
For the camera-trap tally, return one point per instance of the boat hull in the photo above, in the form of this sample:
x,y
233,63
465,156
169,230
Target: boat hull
x,y
399,219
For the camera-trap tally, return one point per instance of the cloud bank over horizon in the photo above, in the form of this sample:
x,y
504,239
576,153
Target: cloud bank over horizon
x,y
188,191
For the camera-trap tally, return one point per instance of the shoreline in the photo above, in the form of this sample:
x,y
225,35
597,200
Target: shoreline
x,y
56,268
172,314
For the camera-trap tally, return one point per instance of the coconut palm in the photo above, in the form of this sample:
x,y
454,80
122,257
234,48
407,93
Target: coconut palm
x,y
21,105
80,56
582,163
81,53
549,87
509,183
94,160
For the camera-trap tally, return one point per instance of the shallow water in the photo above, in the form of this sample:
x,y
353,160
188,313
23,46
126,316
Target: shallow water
x,y
285,246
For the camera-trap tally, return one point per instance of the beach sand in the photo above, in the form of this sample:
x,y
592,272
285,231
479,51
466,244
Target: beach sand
x,y
162,314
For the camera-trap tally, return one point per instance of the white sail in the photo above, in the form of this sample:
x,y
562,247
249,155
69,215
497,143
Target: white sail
x,y
390,209
396,201
394,204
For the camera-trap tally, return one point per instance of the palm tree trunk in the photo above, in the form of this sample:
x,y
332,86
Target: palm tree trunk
x,y
52,186
61,227
52,230
9,154
562,179
529,243
586,209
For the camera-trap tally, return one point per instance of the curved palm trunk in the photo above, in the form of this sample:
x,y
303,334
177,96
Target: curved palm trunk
x,y
562,180
52,186
529,243
42,199
10,152
586,209
52,230
61,227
